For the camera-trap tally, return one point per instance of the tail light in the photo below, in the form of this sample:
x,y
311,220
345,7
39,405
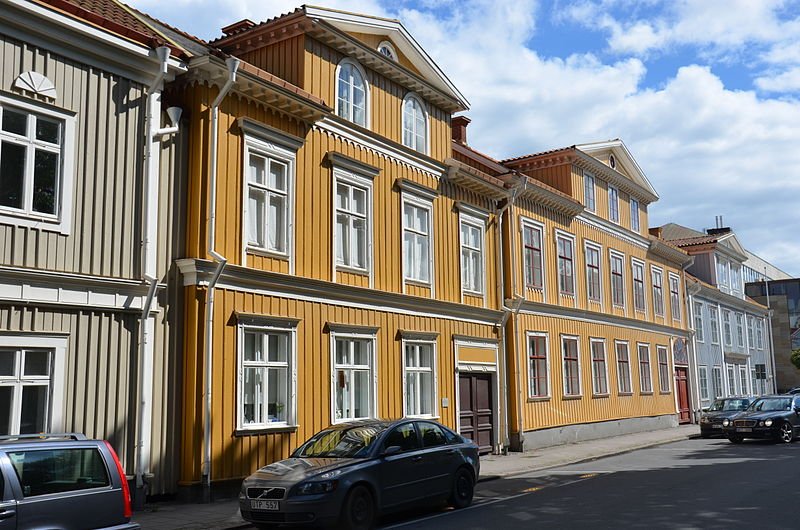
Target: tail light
x,y
126,491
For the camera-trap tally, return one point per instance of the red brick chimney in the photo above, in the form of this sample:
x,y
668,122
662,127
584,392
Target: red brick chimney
x,y
459,125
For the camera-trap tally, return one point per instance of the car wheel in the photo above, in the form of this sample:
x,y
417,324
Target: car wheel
x,y
786,434
463,489
358,512
735,439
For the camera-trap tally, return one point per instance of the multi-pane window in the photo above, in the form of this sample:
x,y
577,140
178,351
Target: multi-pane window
x,y
740,329
352,378
645,377
754,383
417,241
537,366
352,229
675,297
420,377
635,215
736,278
267,201
588,192
698,321
713,322
592,272
351,94
751,332
731,380
415,124
722,274
637,269
717,372
623,368
571,366
703,382
760,333
264,390
31,157
726,327
599,371
566,266
532,248
617,281
743,379
25,390
613,204
658,292
663,368
471,255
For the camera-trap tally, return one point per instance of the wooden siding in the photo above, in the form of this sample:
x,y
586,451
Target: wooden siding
x,y
559,177
283,59
237,455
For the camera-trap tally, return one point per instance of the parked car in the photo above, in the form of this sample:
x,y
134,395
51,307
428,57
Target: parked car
x,y
350,474
721,409
62,481
776,417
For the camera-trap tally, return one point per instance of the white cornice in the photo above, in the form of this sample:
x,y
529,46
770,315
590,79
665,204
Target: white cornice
x,y
618,232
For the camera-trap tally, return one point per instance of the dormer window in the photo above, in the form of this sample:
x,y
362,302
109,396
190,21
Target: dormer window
x,y
612,162
386,49
351,93
415,124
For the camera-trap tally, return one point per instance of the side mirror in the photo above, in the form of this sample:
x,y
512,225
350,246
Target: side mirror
x,y
392,450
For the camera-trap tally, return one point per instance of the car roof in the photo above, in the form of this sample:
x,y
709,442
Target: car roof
x,y
42,437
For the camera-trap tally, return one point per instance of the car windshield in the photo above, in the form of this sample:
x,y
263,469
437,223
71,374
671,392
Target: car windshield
x,y
350,442
729,404
770,404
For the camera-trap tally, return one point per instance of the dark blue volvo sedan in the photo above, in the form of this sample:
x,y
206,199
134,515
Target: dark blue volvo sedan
x,y
351,473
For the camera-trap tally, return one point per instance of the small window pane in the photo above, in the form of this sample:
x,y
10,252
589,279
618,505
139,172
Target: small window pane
x,y
34,409
277,347
342,352
277,222
255,214
277,379
361,352
343,197
360,201
12,174
37,363
45,178
15,122
257,169
253,395
47,131
361,393
7,361
253,347
360,229
6,405
277,175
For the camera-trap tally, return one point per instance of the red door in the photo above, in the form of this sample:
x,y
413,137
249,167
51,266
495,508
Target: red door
x,y
475,400
682,388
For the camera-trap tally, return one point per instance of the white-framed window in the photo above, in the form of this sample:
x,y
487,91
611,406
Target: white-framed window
x,y
420,378
353,213
726,327
675,296
698,321
599,367
472,230
743,378
760,334
657,277
713,321
37,144
731,371
722,274
740,329
637,270
352,93
645,376
617,278
538,365
754,383
736,278
571,365
353,383
613,204
593,286
386,49
588,192
417,237
717,373
532,245
751,332
635,226
702,377
565,244
663,369
415,123
624,380
267,372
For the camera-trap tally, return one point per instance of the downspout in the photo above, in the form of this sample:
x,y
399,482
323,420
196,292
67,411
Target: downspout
x,y
695,372
500,298
516,306
769,330
233,66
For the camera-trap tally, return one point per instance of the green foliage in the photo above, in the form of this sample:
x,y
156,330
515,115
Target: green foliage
x,y
796,358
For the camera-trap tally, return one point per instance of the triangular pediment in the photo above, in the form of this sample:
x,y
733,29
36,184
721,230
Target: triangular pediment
x,y
615,155
730,245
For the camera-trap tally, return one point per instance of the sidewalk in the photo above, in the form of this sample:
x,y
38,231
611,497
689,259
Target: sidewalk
x,y
223,515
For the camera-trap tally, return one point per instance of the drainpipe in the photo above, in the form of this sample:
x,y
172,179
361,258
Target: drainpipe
x,y
774,375
233,66
502,324
697,406
515,308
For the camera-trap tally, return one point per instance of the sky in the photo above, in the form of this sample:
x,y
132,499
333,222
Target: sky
x,y
704,93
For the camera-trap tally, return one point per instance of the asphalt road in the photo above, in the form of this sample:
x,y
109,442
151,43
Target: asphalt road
x,y
689,484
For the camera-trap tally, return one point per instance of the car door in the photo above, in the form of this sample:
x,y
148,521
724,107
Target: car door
x,y
795,415
440,461
8,504
401,474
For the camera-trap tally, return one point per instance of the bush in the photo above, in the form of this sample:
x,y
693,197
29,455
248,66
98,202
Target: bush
x,y
796,358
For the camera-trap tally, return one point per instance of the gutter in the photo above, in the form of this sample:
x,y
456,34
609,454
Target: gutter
x,y
221,261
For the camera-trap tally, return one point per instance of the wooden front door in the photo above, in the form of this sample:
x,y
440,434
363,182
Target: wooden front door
x,y
682,388
476,418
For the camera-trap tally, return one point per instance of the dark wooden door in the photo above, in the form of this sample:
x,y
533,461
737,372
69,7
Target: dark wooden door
x,y
476,418
682,388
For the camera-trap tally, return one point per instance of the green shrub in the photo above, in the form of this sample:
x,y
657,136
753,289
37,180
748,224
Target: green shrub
x,y
796,358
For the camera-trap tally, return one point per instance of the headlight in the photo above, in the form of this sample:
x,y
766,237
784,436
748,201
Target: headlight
x,y
726,422
315,488
768,423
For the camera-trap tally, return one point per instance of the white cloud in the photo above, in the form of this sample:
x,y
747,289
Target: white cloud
x,y
786,81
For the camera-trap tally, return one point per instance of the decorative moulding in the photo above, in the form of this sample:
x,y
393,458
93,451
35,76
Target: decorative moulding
x,y
36,83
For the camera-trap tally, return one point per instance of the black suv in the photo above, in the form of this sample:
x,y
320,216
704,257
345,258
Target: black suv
x,y
62,481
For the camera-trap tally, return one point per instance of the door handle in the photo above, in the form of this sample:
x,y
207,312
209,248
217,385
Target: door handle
x,y
7,513
416,458
451,451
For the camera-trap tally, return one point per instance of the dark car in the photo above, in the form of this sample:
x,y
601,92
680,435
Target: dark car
x,y
62,481
350,474
771,417
721,409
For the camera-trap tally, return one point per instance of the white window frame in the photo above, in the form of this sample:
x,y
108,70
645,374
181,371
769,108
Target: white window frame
x,y
699,331
613,204
426,147
635,216
722,274
716,373
657,272
61,221
367,103
727,327
565,236
735,275
590,246
643,268
291,357
530,224
434,377
597,391
744,378
546,337
702,377
620,389
730,371
579,393
713,320
620,257
341,176
373,401
740,330
589,192
675,296
760,333
751,331
389,46
664,386
639,346
479,223
425,204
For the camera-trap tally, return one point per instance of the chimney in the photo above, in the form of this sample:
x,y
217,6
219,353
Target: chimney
x,y
459,125
238,27
657,231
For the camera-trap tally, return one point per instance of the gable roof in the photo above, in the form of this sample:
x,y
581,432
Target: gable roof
x,y
624,157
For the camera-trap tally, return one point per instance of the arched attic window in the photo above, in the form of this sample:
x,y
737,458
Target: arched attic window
x,y
351,92
385,48
415,123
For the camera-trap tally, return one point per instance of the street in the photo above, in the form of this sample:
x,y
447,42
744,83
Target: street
x,y
689,484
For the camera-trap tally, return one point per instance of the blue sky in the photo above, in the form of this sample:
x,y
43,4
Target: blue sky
x,y
703,92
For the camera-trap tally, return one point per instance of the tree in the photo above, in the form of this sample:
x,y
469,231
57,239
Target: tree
x,y
795,358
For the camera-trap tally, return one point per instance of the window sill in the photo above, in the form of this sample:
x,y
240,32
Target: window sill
x,y
352,270
534,288
263,252
47,224
572,396
418,283
255,431
600,396
538,399
567,295
625,394
476,294
646,393
665,393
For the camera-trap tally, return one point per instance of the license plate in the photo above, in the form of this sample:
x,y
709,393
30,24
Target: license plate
x,y
744,429
717,426
264,505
